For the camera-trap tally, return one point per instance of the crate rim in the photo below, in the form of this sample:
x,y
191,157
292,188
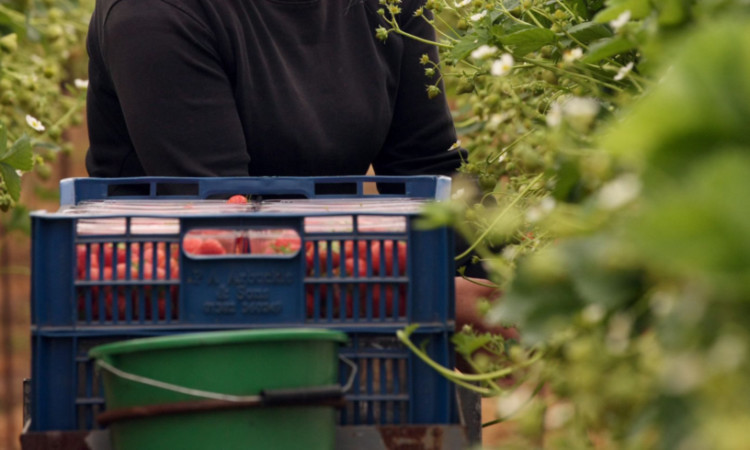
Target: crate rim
x,y
437,187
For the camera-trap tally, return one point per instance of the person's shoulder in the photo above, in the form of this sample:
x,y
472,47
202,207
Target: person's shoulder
x,y
148,11
374,5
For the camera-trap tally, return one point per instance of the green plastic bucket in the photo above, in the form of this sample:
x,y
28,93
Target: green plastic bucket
x,y
247,389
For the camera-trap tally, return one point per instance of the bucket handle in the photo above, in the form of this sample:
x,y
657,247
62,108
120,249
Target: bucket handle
x,y
266,396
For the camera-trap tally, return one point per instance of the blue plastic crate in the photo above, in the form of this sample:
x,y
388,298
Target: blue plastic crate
x,y
77,304
391,385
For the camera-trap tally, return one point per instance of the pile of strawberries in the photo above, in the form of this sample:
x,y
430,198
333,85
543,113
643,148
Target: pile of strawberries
x,y
364,266
137,281
106,264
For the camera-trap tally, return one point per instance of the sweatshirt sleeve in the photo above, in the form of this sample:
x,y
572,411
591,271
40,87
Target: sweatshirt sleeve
x,y
174,93
422,134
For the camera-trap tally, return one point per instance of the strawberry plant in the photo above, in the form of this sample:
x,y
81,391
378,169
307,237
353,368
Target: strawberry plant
x,y
42,86
610,147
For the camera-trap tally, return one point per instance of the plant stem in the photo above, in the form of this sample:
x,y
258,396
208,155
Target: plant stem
x,y
442,33
479,283
536,391
536,21
403,336
395,27
73,109
565,7
511,16
500,216
554,68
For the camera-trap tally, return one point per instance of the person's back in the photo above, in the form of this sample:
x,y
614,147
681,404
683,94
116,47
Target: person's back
x,y
264,87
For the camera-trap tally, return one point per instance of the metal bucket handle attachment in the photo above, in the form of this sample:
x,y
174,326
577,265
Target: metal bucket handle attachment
x,y
326,395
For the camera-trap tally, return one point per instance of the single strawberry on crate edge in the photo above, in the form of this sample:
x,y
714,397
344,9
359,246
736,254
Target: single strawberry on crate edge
x,y
237,199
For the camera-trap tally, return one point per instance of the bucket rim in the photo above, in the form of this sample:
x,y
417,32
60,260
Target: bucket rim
x,y
213,338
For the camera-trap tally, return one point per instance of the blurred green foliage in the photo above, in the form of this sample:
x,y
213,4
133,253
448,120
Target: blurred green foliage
x,y
614,158
43,68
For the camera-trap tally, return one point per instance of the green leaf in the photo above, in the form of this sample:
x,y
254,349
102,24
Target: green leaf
x,y
467,44
526,41
596,278
510,5
705,205
579,7
20,156
12,181
589,31
568,177
639,9
12,19
466,344
703,102
607,48
437,214
673,12
541,300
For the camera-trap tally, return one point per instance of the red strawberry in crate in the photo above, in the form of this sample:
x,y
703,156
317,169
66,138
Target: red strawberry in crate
x,y
211,246
386,252
191,245
237,199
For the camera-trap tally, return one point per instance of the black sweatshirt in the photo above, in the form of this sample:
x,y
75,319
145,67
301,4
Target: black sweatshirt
x,y
261,87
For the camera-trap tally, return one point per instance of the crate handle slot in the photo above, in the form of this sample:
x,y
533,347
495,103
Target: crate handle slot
x,y
251,242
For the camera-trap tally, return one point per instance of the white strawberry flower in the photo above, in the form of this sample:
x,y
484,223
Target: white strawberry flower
x,y
34,123
502,66
619,192
580,112
483,51
81,84
478,16
554,115
572,54
624,71
620,21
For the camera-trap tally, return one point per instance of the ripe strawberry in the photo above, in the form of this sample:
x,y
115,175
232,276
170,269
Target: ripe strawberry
x,y
361,249
161,256
383,256
237,199
387,294
85,259
191,245
286,245
211,246
322,256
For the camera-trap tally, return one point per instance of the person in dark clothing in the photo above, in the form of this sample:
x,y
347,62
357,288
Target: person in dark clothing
x,y
265,88
268,87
